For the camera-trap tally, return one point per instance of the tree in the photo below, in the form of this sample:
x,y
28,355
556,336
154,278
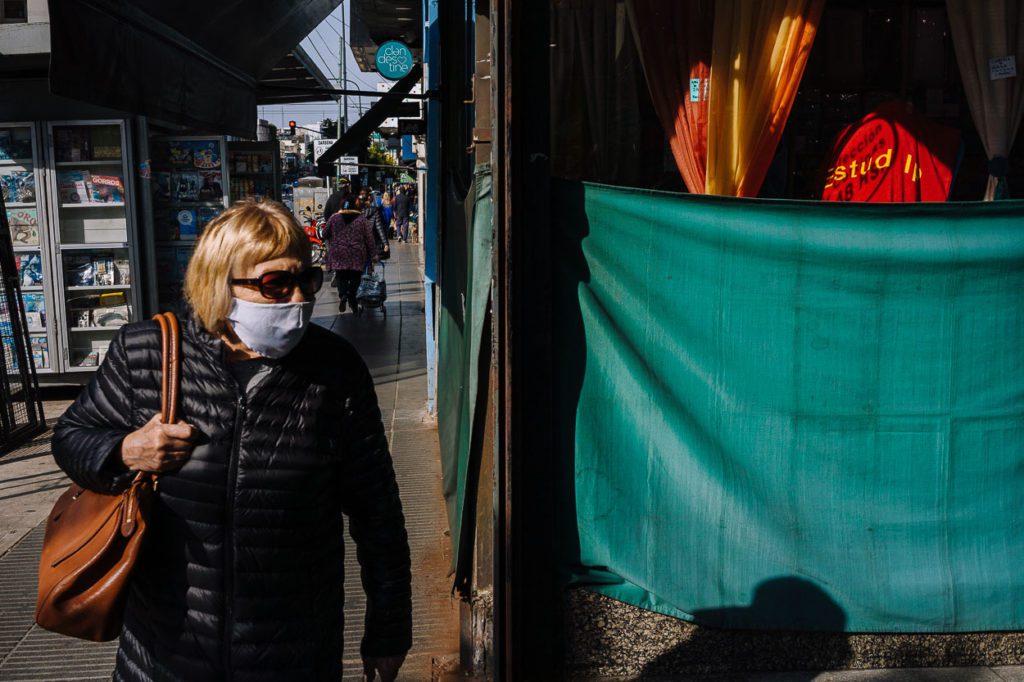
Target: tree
x,y
379,156
329,128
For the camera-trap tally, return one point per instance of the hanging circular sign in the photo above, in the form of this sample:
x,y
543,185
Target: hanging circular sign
x,y
394,60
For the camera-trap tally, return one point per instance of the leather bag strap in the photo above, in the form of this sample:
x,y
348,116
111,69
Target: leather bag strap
x,y
170,376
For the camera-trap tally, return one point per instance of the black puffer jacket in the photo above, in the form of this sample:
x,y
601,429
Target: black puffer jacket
x,y
241,573
380,231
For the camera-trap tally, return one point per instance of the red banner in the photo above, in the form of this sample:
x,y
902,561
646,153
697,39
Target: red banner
x,y
892,155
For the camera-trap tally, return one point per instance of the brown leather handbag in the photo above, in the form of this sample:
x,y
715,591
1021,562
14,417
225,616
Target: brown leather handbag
x,y
92,540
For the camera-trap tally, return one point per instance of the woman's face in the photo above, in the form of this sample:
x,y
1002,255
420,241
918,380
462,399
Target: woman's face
x,y
253,295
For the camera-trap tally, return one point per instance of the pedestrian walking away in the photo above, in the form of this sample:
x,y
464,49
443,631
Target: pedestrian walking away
x,y
241,573
364,202
401,206
350,246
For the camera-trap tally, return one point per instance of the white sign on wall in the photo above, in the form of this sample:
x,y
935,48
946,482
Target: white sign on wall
x,y
1002,67
319,147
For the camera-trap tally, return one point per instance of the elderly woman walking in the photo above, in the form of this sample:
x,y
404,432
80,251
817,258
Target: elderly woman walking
x,y
350,248
241,574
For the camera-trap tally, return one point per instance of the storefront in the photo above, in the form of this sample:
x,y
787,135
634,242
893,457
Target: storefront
x,y
760,400
105,206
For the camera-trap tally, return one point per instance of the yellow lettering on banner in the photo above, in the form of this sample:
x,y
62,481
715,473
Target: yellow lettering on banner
x,y
853,169
906,166
840,174
888,159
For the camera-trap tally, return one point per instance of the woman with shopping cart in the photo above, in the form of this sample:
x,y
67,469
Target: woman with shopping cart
x,y
351,250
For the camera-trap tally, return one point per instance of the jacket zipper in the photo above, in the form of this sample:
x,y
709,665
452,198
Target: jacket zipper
x,y
229,536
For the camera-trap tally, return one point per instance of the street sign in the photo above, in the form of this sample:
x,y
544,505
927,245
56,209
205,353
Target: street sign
x,y
394,60
348,160
319,147
348,170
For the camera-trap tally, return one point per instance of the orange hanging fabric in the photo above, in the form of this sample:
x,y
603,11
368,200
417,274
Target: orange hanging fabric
x,y
674,40
759,51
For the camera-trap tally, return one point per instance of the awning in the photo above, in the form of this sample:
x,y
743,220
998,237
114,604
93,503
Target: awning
x,y
189,62
295,70
354,139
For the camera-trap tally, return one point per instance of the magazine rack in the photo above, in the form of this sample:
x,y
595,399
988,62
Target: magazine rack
x,y
21,183
190,184
93,239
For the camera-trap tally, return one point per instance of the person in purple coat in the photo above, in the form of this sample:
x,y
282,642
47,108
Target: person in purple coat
x,y
350,246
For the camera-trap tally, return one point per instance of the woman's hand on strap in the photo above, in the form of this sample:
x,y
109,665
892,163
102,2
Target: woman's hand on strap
x,y
158,447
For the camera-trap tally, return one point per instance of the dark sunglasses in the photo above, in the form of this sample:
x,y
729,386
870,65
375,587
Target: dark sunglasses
x,y
281,283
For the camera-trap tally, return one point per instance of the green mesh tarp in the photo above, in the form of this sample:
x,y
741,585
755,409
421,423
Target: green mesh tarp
x,y
465,290
794,415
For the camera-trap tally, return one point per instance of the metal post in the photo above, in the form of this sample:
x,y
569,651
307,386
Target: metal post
x,y
344,66
343,100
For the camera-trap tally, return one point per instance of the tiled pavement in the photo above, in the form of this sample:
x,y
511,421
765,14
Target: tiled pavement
x,y
394,349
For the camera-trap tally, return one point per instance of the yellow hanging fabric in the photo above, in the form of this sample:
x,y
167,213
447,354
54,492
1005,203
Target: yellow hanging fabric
x,y
758,54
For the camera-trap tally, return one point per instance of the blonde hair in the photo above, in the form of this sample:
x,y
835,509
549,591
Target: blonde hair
x,y
248,233
386,199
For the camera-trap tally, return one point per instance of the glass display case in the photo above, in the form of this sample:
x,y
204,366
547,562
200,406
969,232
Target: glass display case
x,y
189,189
93,235
255,170
20,180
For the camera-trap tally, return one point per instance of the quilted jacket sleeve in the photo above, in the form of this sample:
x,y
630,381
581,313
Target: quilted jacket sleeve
x,y
88,435
371,501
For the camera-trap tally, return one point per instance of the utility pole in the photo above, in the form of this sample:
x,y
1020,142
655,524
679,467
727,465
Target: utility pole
x,y
342,80
343,72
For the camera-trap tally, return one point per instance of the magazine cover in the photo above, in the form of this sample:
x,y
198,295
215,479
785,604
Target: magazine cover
x,y
24,224
206,214
30,269
161,187
34,320
40,351
122,271
33,303
187,185
211,187
179,152
15,144
80,270
107,189
206,154
18,187
188,223
103,271
74,186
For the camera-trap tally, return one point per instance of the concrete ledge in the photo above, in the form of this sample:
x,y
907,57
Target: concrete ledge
x,y
609,639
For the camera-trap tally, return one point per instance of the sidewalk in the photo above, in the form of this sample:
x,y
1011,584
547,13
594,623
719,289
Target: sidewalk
x,y
394,349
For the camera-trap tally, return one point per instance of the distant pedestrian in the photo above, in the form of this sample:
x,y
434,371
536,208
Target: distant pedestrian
x,y
241,574
364,203
350,246
388,211
402,214
337,201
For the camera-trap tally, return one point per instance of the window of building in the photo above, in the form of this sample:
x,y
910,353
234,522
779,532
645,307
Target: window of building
x,y
13,11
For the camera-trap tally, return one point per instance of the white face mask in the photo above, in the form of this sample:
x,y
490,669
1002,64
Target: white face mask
x,y
271,329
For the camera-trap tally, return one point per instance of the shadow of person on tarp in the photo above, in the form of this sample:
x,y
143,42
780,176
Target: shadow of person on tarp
x,y
806,635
